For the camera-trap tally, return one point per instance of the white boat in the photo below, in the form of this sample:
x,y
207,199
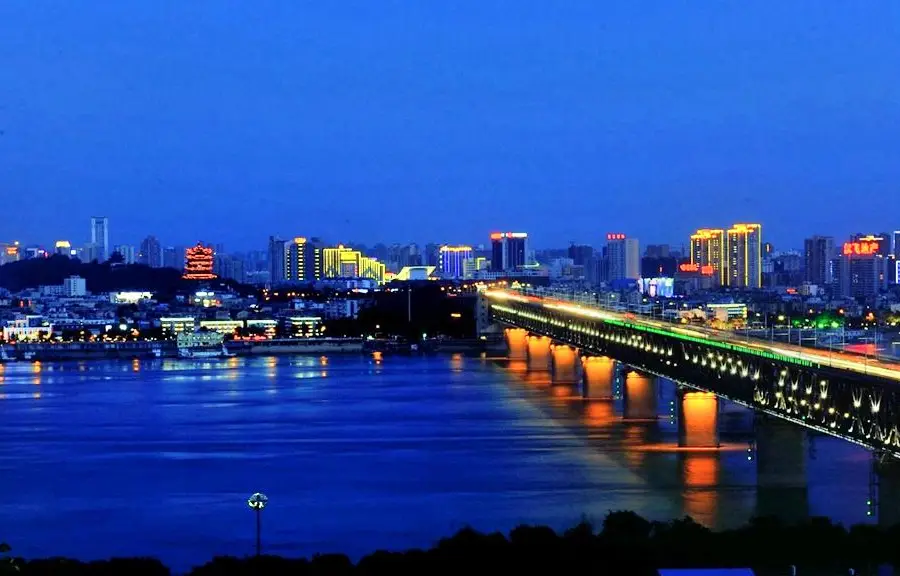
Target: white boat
x,y
203,352
201,345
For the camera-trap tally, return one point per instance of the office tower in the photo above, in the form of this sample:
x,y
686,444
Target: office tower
x,y
580,254
173,257
302,261
624,257
452,260
708,249
657,251
342,262
432,254
229,267
198,263
895,244
100,237
745,256
508,251
817,253
92,253
126,252
277,248
151,252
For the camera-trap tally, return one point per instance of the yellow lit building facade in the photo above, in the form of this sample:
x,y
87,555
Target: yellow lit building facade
x,y
341,262
708,249
745,256
733,255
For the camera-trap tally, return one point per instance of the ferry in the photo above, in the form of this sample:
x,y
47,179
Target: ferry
x,y
201,345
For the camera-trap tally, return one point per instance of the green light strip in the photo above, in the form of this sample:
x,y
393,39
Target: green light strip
x,y
704,341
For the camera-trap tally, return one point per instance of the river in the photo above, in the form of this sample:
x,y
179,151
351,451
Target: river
x,y
354,452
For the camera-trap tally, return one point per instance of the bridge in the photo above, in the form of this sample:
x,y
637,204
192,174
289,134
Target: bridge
x,y
793,388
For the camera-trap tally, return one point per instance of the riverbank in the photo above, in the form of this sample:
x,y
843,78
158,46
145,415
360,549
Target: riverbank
x,y
626,544
71,351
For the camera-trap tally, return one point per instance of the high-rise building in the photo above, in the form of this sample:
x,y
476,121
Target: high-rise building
x,y
199,263
580,254
151,252
302,261
343,262
453,260
173,257
229,267
708,249
432,254
509,251
100,237
127,252
624,256
817,253
745,256
895,244
276,259
63,248
865,266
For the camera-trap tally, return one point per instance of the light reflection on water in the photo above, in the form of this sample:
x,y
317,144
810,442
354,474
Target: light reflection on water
x,y
369,451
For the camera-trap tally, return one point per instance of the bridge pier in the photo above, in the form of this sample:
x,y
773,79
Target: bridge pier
x,y
516,343
539,353
640,396
888,492
565,364
781,484
698,419
598,377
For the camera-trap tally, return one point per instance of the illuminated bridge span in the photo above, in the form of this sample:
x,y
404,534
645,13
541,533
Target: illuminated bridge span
x,y
854,398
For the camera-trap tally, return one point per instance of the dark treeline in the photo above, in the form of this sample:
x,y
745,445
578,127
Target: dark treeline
x,y
109,276
626,544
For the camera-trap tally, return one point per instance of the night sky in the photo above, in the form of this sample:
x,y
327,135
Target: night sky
x,y
420,121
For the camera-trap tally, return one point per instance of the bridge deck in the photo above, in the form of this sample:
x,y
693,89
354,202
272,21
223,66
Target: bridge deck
x,y
787,352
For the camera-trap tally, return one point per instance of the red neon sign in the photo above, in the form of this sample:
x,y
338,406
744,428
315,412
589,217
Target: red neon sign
x,y
615,236
860,248
705,270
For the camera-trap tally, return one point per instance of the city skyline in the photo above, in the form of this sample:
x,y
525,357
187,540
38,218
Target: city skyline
x,y
331,123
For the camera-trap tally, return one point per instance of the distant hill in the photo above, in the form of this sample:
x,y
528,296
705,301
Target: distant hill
x,y
106,277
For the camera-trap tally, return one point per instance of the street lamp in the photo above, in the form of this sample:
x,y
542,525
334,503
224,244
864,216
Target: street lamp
x,y
257,502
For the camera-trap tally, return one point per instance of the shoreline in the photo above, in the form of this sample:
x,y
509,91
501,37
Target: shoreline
x,y
145,350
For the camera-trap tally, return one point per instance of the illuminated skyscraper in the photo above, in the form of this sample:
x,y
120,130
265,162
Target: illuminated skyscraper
x,y
341,262
708,249
453,260
302,261
198,263
624,256
100,237
745,256
509,251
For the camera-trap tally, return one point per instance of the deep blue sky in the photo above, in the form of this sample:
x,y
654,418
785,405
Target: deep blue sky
x,y
415,121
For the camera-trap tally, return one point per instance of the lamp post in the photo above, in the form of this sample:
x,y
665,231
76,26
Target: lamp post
x,y
257,502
